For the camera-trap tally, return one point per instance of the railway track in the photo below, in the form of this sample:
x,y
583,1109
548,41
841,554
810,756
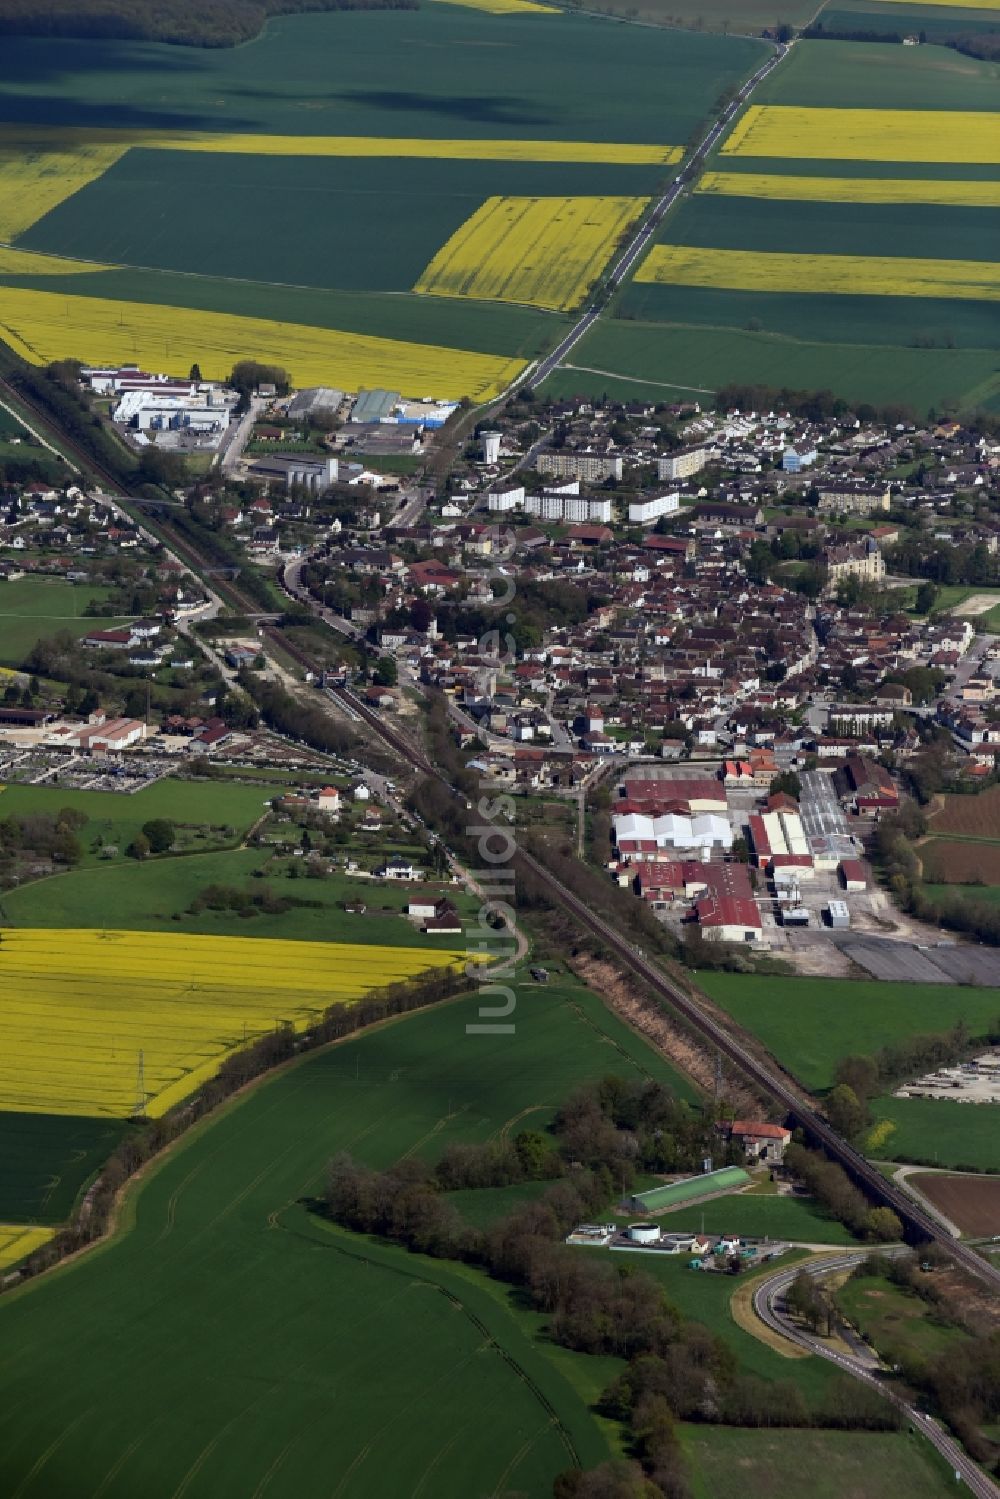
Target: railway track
x,y
876,1185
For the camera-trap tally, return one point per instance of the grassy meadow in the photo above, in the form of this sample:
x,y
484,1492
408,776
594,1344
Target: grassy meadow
x,y
734,1464
208,813
312,1319
157,895
809,1024
32,608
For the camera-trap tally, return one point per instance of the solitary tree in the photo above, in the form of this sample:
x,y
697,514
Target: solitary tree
x,y
160,834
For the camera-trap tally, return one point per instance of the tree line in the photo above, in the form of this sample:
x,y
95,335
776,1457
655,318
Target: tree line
x,y
285,714
677,1369
191,23
833,1188
955,910
962,1381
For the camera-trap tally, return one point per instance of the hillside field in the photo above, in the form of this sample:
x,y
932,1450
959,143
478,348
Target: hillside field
x,y
312,1319
253,170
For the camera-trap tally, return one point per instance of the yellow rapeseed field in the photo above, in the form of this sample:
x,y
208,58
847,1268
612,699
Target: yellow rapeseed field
x,y
77,1007
545,252
27,263
33,181
18,1240
43,326
953,193
789,131
68,143
849,275
506,7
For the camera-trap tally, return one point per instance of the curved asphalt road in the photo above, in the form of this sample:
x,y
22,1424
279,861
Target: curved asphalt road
x,y
637,245
769,1305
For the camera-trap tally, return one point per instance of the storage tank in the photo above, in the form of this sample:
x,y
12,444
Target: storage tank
x,y
491,446
644,1233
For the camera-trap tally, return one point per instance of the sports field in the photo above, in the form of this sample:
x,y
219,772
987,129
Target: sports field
x,y
843,237
307,1321
256,173
111,1023
32,608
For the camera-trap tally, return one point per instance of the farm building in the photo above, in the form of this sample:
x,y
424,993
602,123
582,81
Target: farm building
x,y
761,1142
688,1189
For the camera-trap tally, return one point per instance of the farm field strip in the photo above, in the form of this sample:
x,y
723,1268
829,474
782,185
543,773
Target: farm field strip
x,y
18,1240
977,816
782,186
34,181
957,863
843,275
51,145
971,1202
44,326
79,1006
545,252
36,263
933,135
506,7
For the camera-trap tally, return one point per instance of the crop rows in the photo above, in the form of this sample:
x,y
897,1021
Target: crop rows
x,y
44,326
846,275
793,132
79,1007
957,193
544,252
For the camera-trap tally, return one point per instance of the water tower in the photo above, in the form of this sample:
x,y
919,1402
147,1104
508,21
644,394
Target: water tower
x,y
491,446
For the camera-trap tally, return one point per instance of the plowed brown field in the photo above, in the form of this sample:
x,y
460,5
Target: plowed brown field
x,y
972,1203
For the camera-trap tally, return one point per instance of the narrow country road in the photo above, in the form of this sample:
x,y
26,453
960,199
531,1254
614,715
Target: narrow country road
x,y
769,1305
636,246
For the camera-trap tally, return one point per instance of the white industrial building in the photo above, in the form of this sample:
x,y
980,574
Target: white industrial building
x,y
641,512
195,409
315,474
638,836
778,835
